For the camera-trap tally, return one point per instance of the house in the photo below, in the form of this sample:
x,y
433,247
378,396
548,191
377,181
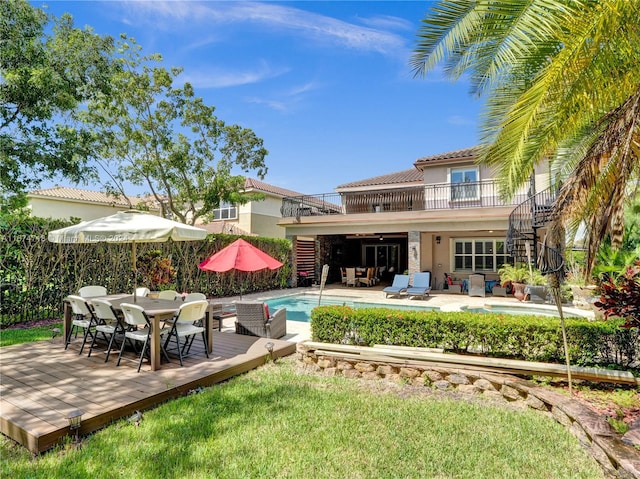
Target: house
x,y
444,215
253,218
62,202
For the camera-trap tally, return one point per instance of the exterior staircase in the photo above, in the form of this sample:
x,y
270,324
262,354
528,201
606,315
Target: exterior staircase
x,y
522,234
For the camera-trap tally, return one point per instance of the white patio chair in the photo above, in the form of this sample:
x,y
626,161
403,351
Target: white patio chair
x,y
168,294
194,297
92,291
142,292
351,277
187,323
84,319
476,285
139,330
108,325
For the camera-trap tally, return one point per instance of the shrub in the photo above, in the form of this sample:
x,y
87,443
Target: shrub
x,y
526,337
620,298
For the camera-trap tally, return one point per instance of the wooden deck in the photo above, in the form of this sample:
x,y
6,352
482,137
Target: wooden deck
x,y
41,383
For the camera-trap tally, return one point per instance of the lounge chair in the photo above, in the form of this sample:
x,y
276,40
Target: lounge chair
x,y
476,285
420,286
399,285
253,319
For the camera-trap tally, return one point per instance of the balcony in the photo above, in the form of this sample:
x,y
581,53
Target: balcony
x,y
440,196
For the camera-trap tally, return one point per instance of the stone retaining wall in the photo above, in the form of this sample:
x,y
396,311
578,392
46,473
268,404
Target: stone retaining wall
x,y
618,459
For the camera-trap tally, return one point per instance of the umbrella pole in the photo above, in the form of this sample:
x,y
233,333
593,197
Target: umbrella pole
x,y
135,271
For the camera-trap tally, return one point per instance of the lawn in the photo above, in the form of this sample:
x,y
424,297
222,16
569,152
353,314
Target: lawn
x,y
279,422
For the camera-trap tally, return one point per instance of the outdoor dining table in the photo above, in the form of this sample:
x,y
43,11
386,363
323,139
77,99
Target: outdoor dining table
x,y
156,309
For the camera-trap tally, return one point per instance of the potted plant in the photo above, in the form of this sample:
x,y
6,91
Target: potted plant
x,y
536,286
516,275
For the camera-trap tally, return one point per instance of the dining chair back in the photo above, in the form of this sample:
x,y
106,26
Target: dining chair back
x,y
168,294
108,325
138,330
351,277
92,291
142,292
83,319
195,297
187,323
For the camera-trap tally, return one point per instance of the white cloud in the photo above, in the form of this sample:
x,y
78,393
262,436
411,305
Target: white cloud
x,y
320,28
220,78
388,22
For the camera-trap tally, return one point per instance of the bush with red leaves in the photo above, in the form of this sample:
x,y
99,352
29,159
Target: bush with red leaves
x,y
621,297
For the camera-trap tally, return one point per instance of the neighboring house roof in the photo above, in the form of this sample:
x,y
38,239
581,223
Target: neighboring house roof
x,y
462,154
77,194
403,177
253,184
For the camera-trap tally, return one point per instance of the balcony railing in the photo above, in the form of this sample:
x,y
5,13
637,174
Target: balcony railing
x,y
441,196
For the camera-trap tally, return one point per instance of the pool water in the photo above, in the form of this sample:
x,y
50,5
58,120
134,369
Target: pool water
x,y
299,306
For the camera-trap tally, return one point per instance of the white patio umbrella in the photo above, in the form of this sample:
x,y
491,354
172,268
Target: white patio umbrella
x,y
127,227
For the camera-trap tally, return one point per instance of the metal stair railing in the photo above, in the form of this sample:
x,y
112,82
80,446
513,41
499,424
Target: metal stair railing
x,y
525,219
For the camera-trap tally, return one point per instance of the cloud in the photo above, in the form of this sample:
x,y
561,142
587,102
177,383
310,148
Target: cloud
x,y
388,22
293,21
221,78
288,100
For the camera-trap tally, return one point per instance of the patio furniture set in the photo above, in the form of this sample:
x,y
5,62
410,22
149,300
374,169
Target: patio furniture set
x,y
162,322
420,286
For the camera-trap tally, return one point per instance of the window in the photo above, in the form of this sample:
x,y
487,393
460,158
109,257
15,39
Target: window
x,y
464,184
226,211
479,254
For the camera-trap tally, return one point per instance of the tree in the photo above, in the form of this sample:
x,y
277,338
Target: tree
x,y
562,82
154,134
43,79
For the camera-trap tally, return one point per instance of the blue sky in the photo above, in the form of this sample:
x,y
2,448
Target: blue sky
x,y
327,85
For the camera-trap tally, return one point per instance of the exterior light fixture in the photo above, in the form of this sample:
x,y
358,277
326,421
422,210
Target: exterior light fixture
x,y
438,239
75,421
269,347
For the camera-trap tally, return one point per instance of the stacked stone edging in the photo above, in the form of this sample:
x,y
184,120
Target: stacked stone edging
x,y
618,459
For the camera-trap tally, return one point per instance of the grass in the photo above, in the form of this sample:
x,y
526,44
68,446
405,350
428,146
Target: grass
x,y
11,336
276,422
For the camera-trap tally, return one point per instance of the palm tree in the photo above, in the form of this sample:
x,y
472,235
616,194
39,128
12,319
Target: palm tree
x,y
562,83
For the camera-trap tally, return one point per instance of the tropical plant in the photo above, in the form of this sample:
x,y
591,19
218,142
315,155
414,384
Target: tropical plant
x,y
518,273
621,297
155,270
562,81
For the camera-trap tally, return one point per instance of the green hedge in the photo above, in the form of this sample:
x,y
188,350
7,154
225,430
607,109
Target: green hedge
x,y
530,338
35,275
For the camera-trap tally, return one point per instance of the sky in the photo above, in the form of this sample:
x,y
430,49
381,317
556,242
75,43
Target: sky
x,y
327,85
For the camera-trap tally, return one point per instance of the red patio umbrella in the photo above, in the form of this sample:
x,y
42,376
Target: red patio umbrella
x,y
239,255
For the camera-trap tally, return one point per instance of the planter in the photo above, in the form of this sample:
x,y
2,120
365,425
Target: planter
x,y
518,291
536,293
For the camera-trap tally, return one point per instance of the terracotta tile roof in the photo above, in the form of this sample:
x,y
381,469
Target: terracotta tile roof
x,y
464,153
412,175
67,193
253,184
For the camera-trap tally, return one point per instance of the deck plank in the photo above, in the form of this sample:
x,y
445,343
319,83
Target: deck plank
x,y
42,383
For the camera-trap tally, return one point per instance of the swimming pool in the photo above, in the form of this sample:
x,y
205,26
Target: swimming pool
x,y
299,306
